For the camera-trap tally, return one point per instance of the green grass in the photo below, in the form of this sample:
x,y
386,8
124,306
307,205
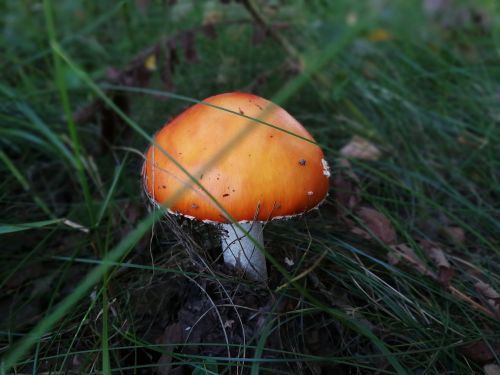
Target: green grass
x,y
89,279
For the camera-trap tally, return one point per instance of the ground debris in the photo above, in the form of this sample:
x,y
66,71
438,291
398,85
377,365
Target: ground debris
x,y
490,295
436,254
491,369
406,253
360,148
481,352
210,317
375,224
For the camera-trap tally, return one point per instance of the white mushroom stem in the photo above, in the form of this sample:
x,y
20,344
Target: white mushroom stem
x,y
241,252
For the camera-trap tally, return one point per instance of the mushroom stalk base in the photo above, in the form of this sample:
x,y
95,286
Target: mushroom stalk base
x,y
240,251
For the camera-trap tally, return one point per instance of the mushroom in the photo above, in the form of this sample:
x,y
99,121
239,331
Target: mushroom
x,y
252,156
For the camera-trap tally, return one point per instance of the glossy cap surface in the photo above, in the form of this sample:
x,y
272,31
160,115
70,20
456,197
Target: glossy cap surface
x,y
255,171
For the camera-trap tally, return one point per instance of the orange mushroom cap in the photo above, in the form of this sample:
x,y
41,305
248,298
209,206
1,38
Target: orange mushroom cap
x,y
267,173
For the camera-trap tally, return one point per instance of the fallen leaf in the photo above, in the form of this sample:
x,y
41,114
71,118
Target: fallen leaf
x,y
360,148
403,252
439,259
486,290
491,369
480,352
377,224
491,295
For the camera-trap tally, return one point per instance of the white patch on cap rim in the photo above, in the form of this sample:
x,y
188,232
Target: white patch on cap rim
x,y
326,168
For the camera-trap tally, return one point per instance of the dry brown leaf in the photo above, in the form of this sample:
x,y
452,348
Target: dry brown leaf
x,y
361,148
377,224
486,290
438,257
491,369
403,252
491,295
480,352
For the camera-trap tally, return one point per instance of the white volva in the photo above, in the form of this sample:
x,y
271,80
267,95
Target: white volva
x,y
240,251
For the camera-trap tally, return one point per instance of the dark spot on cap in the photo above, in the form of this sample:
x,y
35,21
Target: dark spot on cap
x,y
225,195
201,177
302,162
241,112
163,187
